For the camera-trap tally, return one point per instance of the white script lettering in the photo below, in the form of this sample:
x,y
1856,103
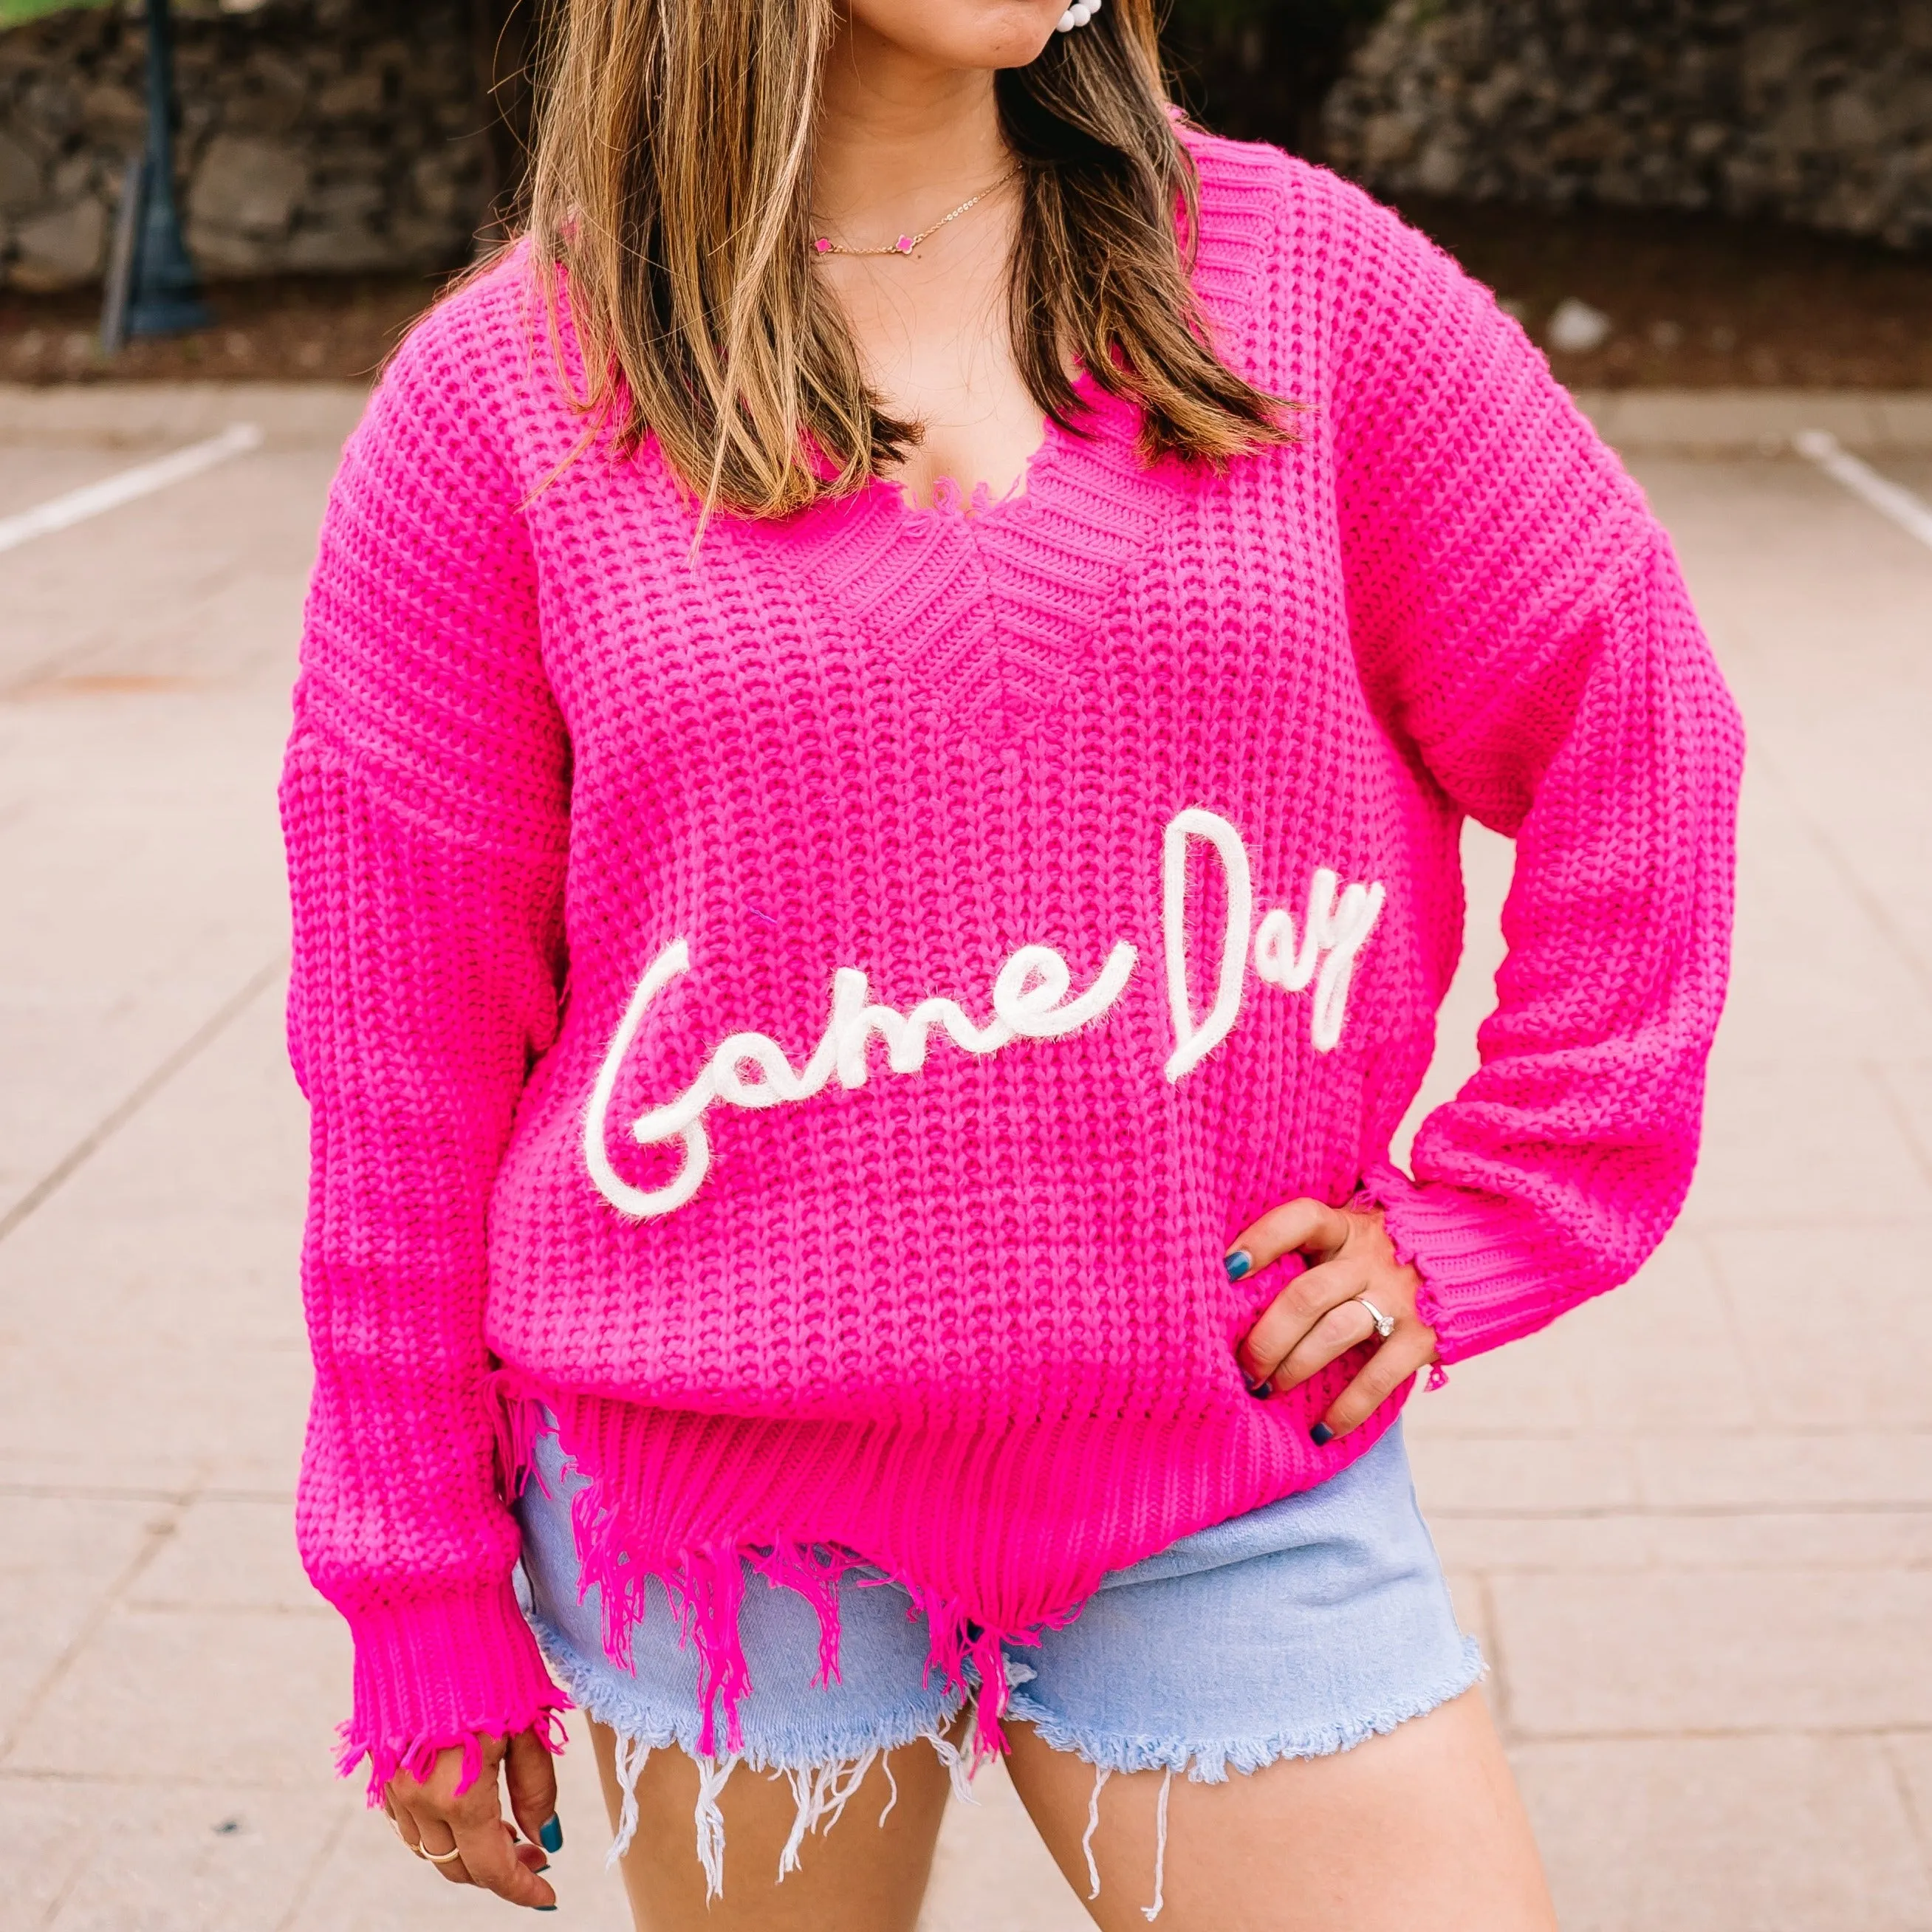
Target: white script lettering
x,y
1332,939
1192,1043
1033,998
750,1070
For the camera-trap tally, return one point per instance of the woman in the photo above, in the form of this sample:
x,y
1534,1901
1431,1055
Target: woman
x,y
886,705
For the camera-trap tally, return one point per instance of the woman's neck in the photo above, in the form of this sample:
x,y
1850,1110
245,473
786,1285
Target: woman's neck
x,y
900,138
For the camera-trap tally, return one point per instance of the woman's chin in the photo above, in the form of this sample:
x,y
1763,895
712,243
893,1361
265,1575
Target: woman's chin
x,y
982,35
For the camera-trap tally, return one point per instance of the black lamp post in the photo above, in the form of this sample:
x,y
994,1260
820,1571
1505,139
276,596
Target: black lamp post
x,y
164,292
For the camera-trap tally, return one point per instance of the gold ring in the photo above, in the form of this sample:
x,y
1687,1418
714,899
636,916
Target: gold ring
x,y
449,1857
1384,1324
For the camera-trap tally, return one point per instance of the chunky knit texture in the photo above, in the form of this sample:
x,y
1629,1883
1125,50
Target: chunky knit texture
x,y
622,869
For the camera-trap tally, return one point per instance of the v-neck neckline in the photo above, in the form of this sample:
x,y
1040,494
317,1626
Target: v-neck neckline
x,y
984,617
976,505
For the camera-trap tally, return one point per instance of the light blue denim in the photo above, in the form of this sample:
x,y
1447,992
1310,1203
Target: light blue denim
x,y
1294,1630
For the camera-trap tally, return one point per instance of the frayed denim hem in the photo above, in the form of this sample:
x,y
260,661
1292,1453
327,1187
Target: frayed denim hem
x,y
823,1773
620,1707
1210,1763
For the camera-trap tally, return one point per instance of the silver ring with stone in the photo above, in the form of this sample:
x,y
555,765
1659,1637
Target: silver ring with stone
x,y
1384,1324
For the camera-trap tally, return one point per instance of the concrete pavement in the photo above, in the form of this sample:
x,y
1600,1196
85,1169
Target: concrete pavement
x,y
1693,1523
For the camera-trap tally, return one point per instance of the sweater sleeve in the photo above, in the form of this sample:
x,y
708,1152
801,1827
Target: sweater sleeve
x,y
424,804
1523,630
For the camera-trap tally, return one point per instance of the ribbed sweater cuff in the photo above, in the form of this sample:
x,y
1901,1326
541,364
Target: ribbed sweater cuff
x,y
440,1671
1483,1284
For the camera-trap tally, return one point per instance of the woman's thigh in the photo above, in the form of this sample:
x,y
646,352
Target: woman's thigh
x,y
1419,1830
865,1871
1270,1724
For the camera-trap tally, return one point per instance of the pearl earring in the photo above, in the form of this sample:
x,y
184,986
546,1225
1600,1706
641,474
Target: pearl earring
x,y
1078,15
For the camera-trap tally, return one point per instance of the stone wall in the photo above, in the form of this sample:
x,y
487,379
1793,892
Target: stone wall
x,y
344,135
330,135
1814,111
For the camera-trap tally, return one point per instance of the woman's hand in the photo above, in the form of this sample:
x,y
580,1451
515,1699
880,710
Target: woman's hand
x,y
1320,1314
433,1822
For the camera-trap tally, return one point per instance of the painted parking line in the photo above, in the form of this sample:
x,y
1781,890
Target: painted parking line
x,y
1911,513
77,506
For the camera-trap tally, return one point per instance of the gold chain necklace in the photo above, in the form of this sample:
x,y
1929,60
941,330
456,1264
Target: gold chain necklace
x,y
823,245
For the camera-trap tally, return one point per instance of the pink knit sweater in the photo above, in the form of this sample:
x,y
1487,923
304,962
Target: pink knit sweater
x,y
812,1012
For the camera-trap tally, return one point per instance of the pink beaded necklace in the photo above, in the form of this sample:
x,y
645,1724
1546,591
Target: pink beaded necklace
x,y
823,245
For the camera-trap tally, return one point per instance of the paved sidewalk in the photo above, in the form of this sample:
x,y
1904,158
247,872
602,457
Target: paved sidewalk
x,y
1693,1524
1701,422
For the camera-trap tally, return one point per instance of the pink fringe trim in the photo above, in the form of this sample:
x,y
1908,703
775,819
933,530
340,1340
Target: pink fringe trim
x,y
706,1586
520,1422
815,1574
956,1638
388,1757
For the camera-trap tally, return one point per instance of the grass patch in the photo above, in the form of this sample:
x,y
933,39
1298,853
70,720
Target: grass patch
x,y
17,13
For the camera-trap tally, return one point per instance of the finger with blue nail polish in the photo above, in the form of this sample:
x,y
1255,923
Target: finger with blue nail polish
x,y
1315,1231
455,1817
1324,1312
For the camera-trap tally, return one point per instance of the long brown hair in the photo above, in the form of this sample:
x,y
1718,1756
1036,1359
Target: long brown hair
x,y
672,179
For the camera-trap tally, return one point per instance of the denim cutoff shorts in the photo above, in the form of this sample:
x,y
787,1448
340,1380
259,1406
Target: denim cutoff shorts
x,y
1293,1630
